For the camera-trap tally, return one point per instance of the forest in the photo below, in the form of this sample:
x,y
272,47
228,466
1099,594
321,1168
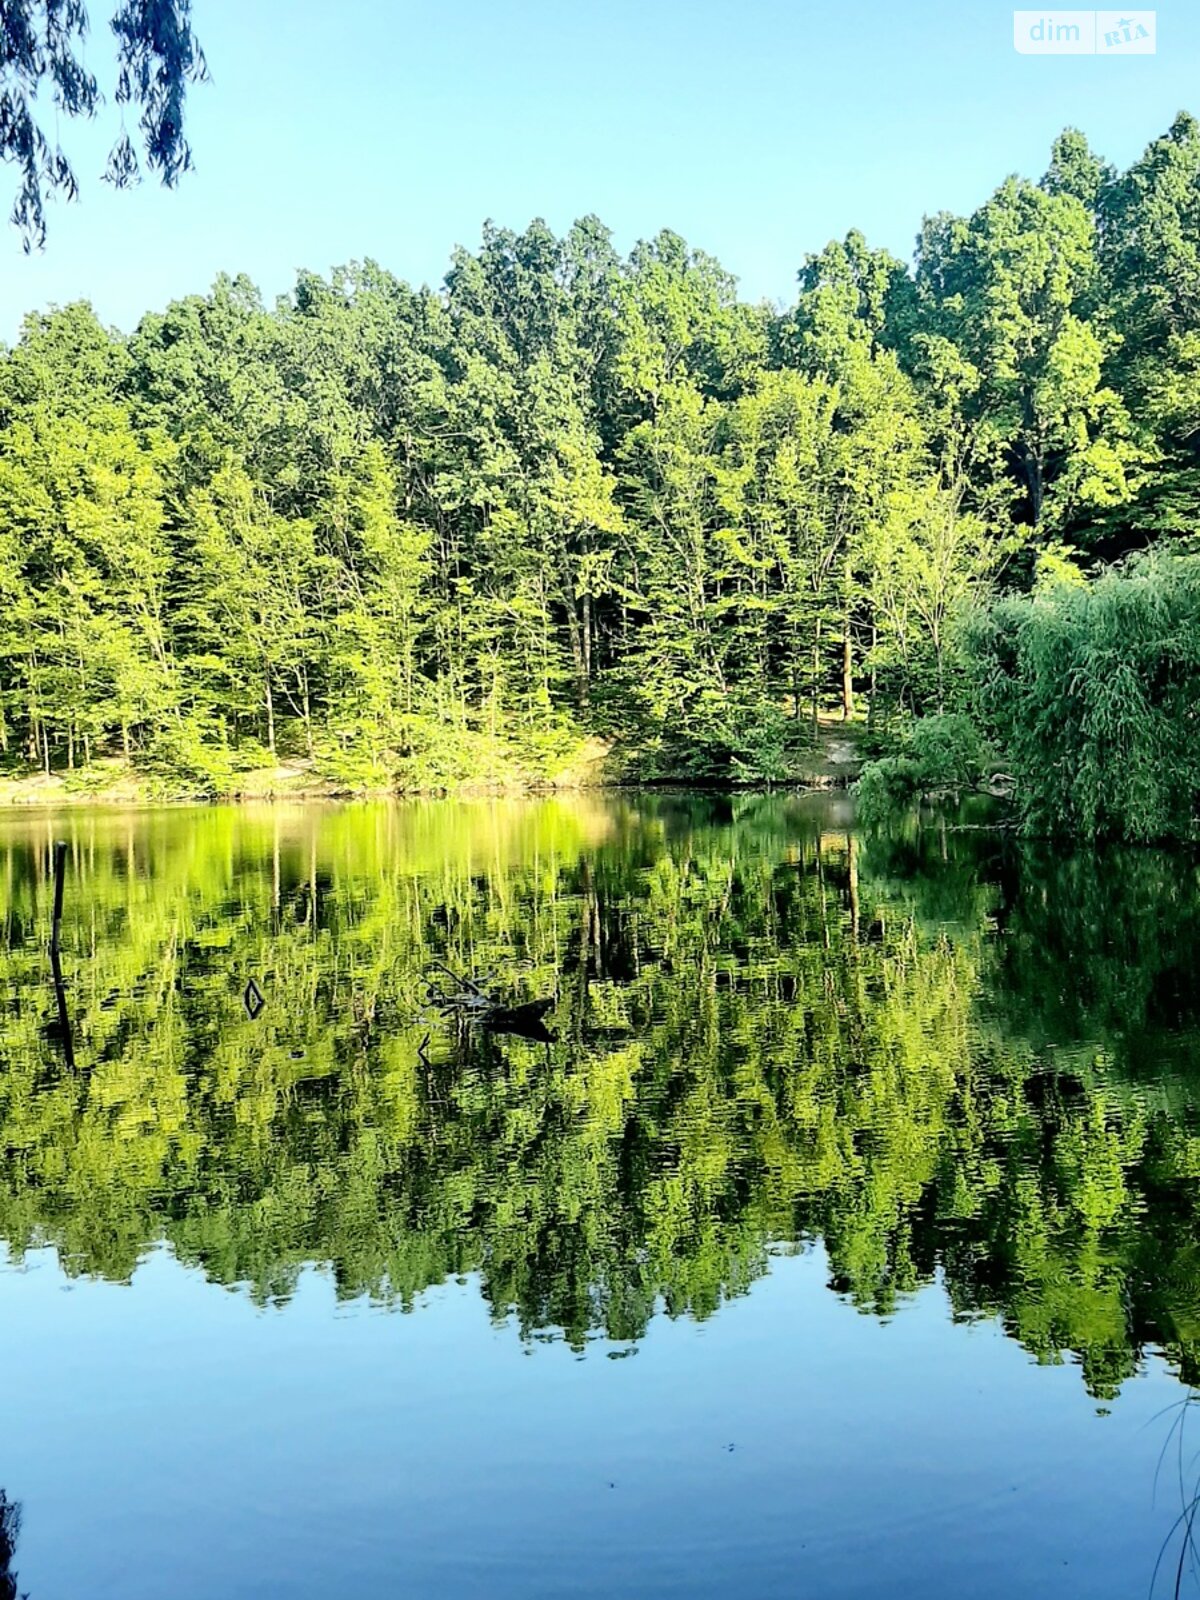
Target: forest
x,y
574,512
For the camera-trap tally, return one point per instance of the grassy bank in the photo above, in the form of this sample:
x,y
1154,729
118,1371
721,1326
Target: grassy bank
x,y
834,762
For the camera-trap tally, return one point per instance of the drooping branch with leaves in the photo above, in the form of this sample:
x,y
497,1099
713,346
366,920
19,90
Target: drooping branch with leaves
x,y
42,53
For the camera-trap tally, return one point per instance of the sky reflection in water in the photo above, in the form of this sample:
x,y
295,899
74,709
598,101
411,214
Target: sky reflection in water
x,y
950,1078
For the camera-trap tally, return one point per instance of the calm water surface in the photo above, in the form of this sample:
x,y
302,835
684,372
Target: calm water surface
x,y
844,1240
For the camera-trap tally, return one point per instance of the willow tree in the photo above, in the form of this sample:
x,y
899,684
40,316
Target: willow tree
x,y
42,46
1093,691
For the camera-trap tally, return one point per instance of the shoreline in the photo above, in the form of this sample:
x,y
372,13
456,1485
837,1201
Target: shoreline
x,y
17,798
834,764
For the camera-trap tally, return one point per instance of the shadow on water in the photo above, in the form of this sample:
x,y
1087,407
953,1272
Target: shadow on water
x,y
10,1529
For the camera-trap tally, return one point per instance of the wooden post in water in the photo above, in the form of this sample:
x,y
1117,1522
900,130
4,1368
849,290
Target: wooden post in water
x,y
60,873
60,993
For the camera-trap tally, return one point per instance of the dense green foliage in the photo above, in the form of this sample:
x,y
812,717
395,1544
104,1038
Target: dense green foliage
x,y
404,538
939,755
768,1034
1094,690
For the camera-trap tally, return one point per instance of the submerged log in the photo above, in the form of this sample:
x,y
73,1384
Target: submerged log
x,y
525,1020
469,1001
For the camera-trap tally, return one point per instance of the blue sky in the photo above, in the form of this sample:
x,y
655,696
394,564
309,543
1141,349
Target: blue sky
x,y
392,128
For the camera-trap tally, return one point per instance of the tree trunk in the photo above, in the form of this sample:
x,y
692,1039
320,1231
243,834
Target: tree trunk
x,y
1031,471
937,645
575,633
587,648
270,716
816,677
305,702
847,671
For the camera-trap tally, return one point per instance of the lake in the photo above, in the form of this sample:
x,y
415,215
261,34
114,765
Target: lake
x,y
843,1239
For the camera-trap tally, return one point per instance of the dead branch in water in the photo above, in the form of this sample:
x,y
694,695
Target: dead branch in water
x,y
469,1001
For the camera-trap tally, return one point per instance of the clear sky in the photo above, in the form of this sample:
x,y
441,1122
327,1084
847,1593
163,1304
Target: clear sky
x,y
338,129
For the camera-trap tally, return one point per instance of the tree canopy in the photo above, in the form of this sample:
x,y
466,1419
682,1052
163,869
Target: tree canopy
x,y
403,538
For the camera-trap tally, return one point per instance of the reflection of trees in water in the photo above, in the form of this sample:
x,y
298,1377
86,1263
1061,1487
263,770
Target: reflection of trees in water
x,y
10,1529
931,1052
